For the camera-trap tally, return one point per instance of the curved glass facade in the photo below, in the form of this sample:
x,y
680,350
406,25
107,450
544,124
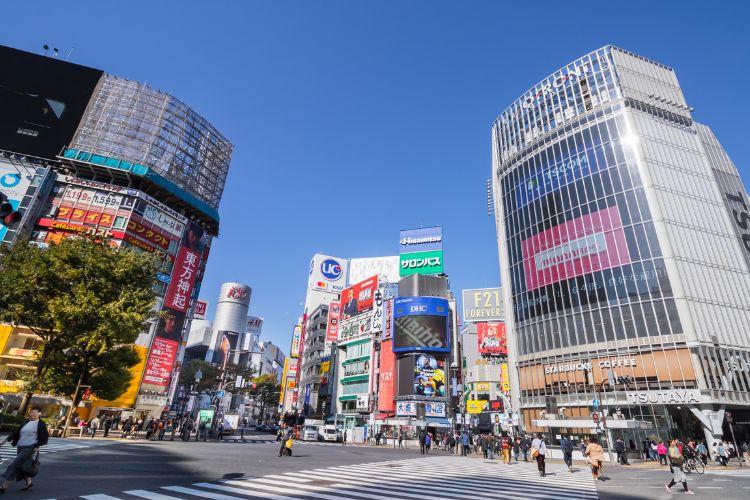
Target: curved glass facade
x,y
133,122
614,239
585,261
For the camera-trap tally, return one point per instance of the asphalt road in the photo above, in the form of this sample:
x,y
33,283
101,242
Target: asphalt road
x,y
104,470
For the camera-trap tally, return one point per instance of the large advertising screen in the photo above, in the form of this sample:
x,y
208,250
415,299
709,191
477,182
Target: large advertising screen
x,y
491,339
386,267
589,243
42,101
420,324
14,182
429,376
359,298
296,337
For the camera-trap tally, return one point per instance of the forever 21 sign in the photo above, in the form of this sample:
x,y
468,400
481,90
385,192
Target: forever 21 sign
x,y
741,217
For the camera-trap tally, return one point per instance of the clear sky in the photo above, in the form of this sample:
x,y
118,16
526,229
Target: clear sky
x,y
353,119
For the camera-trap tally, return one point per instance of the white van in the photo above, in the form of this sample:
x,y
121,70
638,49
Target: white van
x,y
309,433
330,433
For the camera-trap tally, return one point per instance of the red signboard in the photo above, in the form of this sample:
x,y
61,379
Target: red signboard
x,y
387,386
160,361
183,280
589,243
358,298
332,329
147,233
491,338
200,309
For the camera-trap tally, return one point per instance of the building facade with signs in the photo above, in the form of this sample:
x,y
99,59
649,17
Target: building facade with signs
x,y
107,156
624,250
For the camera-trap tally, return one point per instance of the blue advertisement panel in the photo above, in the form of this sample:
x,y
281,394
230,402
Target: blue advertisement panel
x,y
421,240
420,324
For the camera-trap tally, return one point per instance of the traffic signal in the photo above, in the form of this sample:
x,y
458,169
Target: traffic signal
x,y
8,215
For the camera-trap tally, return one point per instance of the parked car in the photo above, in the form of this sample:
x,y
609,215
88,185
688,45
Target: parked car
x,y
263,428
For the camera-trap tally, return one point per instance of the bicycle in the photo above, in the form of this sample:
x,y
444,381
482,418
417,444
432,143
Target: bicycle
x,y
693,464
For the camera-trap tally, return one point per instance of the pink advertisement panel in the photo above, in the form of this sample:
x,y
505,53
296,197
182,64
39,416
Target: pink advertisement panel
x,y
590,243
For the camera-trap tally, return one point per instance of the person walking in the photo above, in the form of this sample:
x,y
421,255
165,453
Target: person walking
x,y
622,453
287,435
661,450
524,445
162,429
721,454
538,452
702,452
465,446
427,442
745,449
94,426
126,427
595,456
400,439
677,461
451,445
566,446
421,442
107,425
516,448
505,446
27,439
343,440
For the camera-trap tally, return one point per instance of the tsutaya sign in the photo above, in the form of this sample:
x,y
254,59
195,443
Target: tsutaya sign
x,y
587,365
670,397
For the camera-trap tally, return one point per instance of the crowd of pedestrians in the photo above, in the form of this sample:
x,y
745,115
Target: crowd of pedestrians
x,y
154,429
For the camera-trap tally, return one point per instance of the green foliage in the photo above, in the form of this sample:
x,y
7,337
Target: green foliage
x,y
210,375
265,390
85,299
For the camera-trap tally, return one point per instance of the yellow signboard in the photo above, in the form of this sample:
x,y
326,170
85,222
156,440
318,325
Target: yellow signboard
x,y
475,406
482,386
505,378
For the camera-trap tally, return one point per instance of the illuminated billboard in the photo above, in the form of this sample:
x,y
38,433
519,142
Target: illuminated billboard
x,y
420,324
359,298
491,339
429,376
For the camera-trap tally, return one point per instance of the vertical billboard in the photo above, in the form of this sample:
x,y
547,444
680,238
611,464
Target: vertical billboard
x,y
483,304
429,376
165,344
421,251
491,339
386,382
296,338
332,328
505,378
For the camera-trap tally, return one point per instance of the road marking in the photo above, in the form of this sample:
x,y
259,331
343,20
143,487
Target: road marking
x,y
199,493
100,497
241,491
150,495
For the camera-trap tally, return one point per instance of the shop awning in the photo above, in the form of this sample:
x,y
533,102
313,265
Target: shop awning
x,y
438,422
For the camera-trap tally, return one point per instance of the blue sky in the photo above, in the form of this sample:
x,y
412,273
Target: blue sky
x,y
354,119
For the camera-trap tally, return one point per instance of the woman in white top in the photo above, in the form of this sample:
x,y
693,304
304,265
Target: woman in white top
x,y
27,439
539,452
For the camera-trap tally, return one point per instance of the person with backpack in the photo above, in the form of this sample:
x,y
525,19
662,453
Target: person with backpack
x,y
566,446
676,461
538,453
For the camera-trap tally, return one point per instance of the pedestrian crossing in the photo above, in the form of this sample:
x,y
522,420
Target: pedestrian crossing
x,y
7,452
437,478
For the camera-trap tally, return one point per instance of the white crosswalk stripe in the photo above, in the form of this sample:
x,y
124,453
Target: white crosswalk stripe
x,y
7,452
439,478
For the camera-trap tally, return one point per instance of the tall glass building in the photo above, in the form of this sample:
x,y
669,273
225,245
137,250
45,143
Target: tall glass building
x,y
624,239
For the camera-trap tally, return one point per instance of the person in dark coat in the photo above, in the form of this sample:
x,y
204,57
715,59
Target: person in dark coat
x,y
26,439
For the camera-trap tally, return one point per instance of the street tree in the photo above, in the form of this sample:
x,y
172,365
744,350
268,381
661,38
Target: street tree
x,y
86,300
264,390
209,375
